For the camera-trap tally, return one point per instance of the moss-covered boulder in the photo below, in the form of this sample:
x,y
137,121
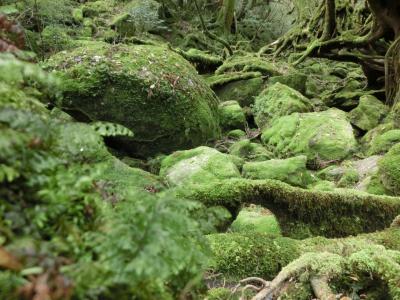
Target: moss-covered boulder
x,y
250,151
369,112
389,170
382,143
296,81
292,170
150,90
276,101
231,115
255,218
321,136
201,165
243,91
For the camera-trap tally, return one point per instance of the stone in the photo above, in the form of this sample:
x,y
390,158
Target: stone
x,y
291,170
276,101
321,136
250,151
231,115
151,90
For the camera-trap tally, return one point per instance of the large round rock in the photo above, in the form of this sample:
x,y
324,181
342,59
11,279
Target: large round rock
x,y
148,89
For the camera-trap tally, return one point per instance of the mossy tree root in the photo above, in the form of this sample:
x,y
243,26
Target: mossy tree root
x,y
300,212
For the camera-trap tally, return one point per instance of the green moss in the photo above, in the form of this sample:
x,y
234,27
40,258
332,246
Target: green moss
x,y
276,101
239,255
55,38
202,60
256,219
382,143
248,63
339,213
323,186
216,81
250,151
349,178
198,166
218,294
369,112
231,115
322,136
117,83
375,186
236,134
296,81
389,170
292,170
243,91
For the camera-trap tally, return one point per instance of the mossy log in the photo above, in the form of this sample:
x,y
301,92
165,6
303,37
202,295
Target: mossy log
x,y
301,212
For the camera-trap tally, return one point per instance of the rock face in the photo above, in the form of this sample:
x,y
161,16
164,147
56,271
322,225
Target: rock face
x,y
324,136
382,143
276,101
369,112
201,165
231,115
292,170
148,89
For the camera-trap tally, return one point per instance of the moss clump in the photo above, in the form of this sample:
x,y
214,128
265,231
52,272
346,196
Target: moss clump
x,y
292,170
231,115
369,112
215,81
250,151
239,255
256,219
218,294
349,178
276,101
322,136
148,89
243,91
55,38
389,170
203,61
198,166
296,81
382,143
236,134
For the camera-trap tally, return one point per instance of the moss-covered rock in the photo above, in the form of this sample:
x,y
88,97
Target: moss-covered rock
x,y
201,165
382,143
255,219
148,89
322,136
291,170
276,101
369,112
243,91
236,134
296,81
231,115
389,170
250,151
338,84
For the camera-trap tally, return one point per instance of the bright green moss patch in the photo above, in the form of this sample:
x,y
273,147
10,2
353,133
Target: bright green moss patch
x,y
369,112
231,115
291,170
322,136
296,81
239,255
382,143
215,81
143,88
276,101
198,166
255,219
389,170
